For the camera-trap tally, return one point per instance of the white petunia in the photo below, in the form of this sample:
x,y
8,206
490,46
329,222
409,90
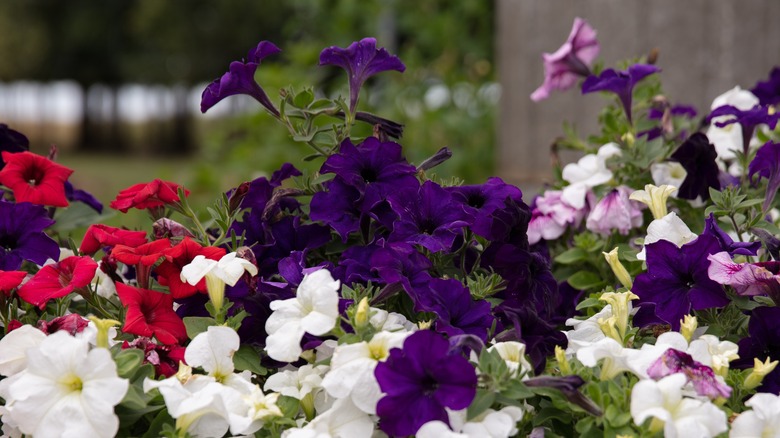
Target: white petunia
x,y
513,354
14,346
681,417
590,171
762,421
729,138
352,369
615,358
314,310
670,174
213,351
228,270
586,331
711,351
670,228
66,390
640,361
297,383
342,420
489,424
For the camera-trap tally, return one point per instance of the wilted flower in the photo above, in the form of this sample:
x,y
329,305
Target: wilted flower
x,y
699,375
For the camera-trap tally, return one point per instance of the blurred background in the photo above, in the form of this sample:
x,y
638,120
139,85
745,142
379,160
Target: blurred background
x,y
116,84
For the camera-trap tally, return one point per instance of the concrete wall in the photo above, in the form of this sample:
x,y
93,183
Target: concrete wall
x,y
706,47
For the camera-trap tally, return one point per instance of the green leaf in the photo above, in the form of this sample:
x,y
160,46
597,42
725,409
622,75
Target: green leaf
x,y
248,359
589,302
197,324
304,98
159,421
127,361
585,280
573,255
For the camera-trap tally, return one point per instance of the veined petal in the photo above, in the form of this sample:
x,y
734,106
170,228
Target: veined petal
x,y
213,350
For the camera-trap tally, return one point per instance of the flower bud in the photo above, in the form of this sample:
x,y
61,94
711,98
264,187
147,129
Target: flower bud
x,y
103,325
618,269
563,362
688,326
760,370
362,313
609,327
655,198
621,307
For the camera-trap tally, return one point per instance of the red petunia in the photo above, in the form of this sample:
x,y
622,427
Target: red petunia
x,y
9,280
58,280
150,313
147,195
169,271
99,235
35,179
73,324
146,254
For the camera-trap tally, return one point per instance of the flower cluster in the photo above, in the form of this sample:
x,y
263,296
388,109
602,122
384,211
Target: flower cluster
x,y
374,299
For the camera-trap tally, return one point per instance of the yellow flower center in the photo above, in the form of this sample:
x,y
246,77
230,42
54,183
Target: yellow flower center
x,y
72,383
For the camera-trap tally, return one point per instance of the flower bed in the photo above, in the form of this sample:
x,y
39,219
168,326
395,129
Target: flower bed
x,y
634,297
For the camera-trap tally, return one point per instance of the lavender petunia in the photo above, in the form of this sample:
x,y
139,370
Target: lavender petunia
x,y
677,279
427,217
619,82
703,379
747,279
240,79
768,92
361,60
22,237
571,61
767,165
697,155
420,381
748,119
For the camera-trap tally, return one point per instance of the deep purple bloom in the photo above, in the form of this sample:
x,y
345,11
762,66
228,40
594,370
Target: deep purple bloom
x,y
12,141
726,242
483,203
686,111
619,82
399,263
768,92
338,207
539,336
456,312
677,279
361,60
697,155
22,237
767,165
571,61
434,160
240,79
419,381
77,195
426,217
747,119
763,341
701,376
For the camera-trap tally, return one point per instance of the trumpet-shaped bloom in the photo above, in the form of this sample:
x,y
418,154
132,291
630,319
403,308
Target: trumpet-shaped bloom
x,y
147,195
619,82
22,237
361,60
697,156
314,310
35,179
728,139
213,351
58,280
682,416
240,79
748,279
513,353
762,421
99,236
229,269
179,256
297,383
615,212
66,390
150,313
10,280
572,60
590,171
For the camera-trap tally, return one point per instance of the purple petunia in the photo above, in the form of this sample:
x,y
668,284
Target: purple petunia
x,y
571,61
677,279
485,203
22,237
726,242
240,79
619,82
768,92
77,195
748,119
456,312
420,381
763,341
701,376
697,156
362,59
426,217
767,165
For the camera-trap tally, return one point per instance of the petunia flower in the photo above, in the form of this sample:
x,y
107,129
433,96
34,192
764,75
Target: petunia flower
x,y
240,79
677,279
590,171
669,228
619,82
179,256
314,310
66,387
748,279
35,179
768,92
14,346
10,280
655,198
58,280
572,60
73,324
298,383
697,155
150,313
748,119
766,164
489,424
457,313
420,381
361,60
681,416
711,351
497,209
551,216
615,212
99,236
669,174
213,351
701,376
762,421
147,195
342,419
726,242
728,139
228,270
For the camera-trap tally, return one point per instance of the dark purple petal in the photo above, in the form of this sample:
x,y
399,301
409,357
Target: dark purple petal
x,y
619,82
768,92
361,60
82,196
22,236
726,242
697,155
767,165
763,342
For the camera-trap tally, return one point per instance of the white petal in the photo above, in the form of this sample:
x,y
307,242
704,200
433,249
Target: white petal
x,y
213,350
14,346
197,269
284,344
